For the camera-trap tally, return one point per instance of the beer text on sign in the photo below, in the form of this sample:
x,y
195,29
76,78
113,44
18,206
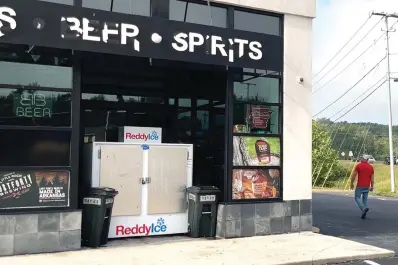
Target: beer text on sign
x,y
32,105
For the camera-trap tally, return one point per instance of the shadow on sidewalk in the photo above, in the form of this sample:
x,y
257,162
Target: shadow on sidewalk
x,y
152,240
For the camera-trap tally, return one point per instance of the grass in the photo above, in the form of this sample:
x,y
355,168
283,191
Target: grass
x,y
382,178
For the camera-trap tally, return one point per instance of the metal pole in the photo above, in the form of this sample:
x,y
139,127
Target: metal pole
x,y
392,177
210,15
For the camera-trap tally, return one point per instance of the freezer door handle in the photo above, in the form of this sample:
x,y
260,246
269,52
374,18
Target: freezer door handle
x,y
144,181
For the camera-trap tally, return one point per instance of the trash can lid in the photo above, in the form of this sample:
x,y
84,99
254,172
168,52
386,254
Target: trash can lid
x,y
203,189
104,191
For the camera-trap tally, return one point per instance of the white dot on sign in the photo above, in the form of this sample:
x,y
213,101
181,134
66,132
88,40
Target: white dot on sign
x,y
156,38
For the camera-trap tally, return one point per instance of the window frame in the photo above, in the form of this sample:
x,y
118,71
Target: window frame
x,y
279,135
73,130
49,1
260,12
11,48
204,3
79,3
51,89
227,188
22,168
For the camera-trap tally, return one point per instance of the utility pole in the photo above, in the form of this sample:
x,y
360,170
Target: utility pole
x,y
388,30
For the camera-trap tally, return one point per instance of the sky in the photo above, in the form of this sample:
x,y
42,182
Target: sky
x,y
336,22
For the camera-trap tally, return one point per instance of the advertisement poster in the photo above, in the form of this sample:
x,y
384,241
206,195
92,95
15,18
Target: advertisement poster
x,y
259,116
256,151
34,189
255,184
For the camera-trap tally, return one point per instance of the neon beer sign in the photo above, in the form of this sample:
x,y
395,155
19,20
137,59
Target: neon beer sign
x,y
32,105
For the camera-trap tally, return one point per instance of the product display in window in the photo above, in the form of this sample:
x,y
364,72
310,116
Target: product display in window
x,y
256,151
241,128
259,116
255,183
258,119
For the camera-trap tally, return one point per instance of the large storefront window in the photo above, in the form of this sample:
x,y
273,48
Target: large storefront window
x,y
198,13
135,7
256,164
35,126
258,23
28,107
35,74
64,2
34,148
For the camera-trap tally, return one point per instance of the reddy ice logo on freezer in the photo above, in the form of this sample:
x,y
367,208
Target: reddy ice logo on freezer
x,y
153,136
142,134
144,229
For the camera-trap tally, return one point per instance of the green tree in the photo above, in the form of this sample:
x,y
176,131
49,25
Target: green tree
x,y
325,160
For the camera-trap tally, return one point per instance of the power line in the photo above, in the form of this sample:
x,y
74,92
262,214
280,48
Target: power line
x,y
371,93
343,47
345,93
363,142
367,49
351,148
370,88
338,151
324,149
345,56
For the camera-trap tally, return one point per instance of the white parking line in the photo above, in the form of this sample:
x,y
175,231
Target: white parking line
x,y
371,262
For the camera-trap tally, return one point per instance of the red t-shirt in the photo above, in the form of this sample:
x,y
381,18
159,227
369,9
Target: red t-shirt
x,y
365,172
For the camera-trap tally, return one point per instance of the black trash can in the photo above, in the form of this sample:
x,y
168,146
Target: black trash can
x,y
97,212
202,211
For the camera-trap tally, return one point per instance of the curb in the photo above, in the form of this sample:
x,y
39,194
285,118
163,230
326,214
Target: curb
x,y
387,254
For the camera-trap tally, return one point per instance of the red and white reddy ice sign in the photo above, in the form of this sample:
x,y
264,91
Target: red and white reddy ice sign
x,y
142,229
141,135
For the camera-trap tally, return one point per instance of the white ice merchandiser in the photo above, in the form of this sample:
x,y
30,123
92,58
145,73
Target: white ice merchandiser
x,y
151,180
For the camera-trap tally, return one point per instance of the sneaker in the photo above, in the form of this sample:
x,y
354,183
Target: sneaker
x,y
363,216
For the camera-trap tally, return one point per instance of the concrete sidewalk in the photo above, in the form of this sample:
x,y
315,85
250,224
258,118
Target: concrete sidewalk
x,y
300,248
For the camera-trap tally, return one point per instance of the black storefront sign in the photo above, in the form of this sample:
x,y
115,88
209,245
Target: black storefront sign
x,y
34,189
69,27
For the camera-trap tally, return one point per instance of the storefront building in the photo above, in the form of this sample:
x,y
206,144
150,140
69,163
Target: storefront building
x,y
232,78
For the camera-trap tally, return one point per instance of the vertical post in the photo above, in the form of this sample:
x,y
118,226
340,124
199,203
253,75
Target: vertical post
x,y
76,183
392,177
210,15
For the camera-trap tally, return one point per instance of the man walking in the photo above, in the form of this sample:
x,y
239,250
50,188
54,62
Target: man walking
x,y
365,183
